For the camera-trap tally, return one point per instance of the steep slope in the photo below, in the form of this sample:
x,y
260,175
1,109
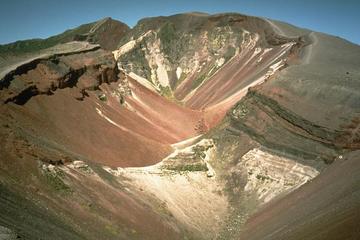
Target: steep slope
x,y
323,209
186,57
56,96
290,115
69,104
284,120
75,201
196,127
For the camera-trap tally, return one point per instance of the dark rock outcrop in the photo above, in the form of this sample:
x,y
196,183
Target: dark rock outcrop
x,y
45,76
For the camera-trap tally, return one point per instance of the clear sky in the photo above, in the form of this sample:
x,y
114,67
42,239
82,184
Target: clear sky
x,y
24,19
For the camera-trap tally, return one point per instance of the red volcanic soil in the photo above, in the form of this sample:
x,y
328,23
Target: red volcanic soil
x,y
119,138
219,93
138,131
242,71
56,101
163,120
95,206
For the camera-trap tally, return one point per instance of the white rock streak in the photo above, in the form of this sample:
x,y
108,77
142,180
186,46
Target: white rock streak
x,y
190,196
127,47
269,175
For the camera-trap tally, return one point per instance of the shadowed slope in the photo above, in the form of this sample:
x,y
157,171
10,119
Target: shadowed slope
x,y
326,208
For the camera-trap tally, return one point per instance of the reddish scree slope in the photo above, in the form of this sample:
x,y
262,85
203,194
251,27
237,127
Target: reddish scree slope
x,y
109,133
51,112
139,131
57,102
251,67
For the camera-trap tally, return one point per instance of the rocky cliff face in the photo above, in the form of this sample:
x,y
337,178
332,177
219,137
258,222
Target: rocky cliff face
x,y
180,53
46,75
191,126
168,54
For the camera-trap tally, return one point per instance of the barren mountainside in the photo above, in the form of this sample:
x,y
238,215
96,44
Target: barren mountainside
x,y
191,126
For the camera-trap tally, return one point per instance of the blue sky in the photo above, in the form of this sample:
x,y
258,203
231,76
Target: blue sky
x,y
22,19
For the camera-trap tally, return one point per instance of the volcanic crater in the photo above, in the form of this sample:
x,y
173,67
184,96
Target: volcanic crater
x,y
191,126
